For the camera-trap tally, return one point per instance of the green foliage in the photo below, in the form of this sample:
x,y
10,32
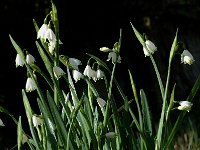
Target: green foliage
x,y
86,121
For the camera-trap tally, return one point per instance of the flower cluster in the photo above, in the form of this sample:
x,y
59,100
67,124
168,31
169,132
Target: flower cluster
x,y
45,33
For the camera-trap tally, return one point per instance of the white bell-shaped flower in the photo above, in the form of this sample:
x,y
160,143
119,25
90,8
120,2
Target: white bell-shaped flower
x,y
112,55
42,32
30,59
149,48
50,35
19,61
1,123
30,85
51,46
100,74
88,72
76,75
101,102
75,63
58,72
185,105
37,120
187,58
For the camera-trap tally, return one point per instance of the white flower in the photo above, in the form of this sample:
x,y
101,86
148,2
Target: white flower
x,y
19,61
105,49
50,35
76,75
110,135
94,75
101,102
1,123
149,48
51,46
30,59
100,74
186,57
113,55
37,120
58,72
30,85
185,105
42,32
88,71
75,63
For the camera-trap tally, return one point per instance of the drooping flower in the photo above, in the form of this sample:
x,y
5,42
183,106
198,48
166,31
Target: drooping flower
x,y
19,61
94,75
100,74
112,55
30,59
149,48
101,102
51,46
37,120
110,135
1,123
88,71
42,32
30,85
58,72
105,49
185,105
186,57
75,63
50,35
76,75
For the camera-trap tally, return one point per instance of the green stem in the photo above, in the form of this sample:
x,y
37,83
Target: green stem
x,y
158,76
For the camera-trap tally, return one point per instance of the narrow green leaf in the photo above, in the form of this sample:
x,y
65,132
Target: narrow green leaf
x,y
19,134
146,113
29,117
58,120
164,107
138,35
171,104
45,59
8,113
50,127
173,48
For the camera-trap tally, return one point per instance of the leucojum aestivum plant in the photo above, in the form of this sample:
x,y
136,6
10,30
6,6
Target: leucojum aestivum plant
x,y
69,121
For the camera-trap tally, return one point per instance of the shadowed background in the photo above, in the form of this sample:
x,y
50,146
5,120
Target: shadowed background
x,y
85,27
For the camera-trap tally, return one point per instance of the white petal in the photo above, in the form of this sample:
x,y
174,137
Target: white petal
x,y
75,63
30,85
105,49
58,72
1,123
101,102
19,61
76,75
30,59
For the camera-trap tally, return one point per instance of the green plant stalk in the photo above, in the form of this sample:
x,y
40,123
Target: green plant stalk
x,y
161,122
158,76
111,83
138,106
105,121
56,59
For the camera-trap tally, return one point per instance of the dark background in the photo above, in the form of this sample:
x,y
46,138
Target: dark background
x,y
85,26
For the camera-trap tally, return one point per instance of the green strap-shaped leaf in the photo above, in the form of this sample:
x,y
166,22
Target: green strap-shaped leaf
x,y
19,134
29,117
